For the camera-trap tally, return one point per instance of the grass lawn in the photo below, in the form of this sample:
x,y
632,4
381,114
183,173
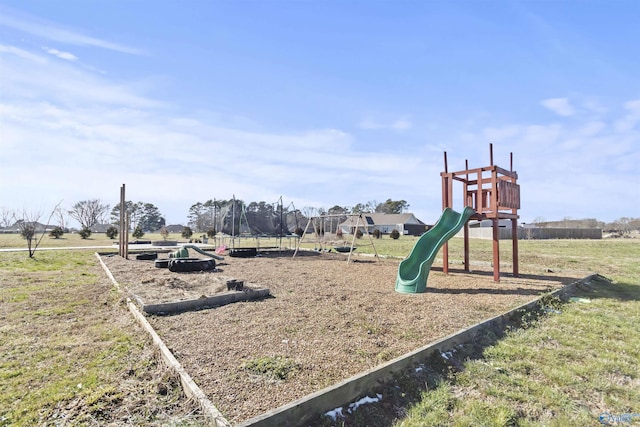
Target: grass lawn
x,y
71,354
564,369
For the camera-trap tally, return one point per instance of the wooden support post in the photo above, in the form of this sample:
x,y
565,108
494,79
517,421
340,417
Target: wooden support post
x,y
121,240
491,154
445,258
447,201
496,249
466,202
466,247
514,244
126,235
479,207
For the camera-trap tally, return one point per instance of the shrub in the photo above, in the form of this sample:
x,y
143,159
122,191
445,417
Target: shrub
x,y
395,234
299,231
187,232
339,233
211,232
56,232
85,233
137,232
359,234
112,232
164,232
377,233
28,231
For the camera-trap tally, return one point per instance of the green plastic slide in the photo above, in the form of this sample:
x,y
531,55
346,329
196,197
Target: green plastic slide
x,y
413,271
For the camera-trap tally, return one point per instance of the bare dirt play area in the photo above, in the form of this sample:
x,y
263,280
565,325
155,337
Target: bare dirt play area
x,y
325,320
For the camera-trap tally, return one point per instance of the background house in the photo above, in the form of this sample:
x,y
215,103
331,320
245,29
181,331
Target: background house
x,y
405,223
17,226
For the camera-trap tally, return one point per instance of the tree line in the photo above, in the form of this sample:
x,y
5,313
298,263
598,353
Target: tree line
x,y
234,216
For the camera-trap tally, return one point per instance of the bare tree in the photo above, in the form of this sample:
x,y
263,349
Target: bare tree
x,y
61,217
28,226
7,217
310,211
89,212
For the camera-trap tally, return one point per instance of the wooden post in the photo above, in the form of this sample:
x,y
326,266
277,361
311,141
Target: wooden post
x,y
466,247
445,203
126,234
496,249
465,202
490,154
514,246
479,207
121,244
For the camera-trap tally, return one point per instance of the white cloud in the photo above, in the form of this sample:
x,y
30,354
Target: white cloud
x,y
560,106
401,124
62,55
21,53
398,125
71,134
37,76
41,28
582,169
631,119
86,135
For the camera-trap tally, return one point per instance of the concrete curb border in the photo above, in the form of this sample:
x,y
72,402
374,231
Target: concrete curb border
x,y
190,388
302,411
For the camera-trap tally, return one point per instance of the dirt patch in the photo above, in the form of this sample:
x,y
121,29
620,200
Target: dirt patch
x,y
326,321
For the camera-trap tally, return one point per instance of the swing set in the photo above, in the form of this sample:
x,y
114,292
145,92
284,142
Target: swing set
x,y
318,226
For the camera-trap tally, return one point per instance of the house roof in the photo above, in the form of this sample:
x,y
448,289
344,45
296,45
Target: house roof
x,y
18,224
383,219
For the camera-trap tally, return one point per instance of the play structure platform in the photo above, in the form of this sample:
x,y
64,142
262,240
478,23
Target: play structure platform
x,y
413,271
488,193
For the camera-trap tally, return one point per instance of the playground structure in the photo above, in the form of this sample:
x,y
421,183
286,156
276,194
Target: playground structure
x,y
489,192
414,270
317,223
493,193
245,230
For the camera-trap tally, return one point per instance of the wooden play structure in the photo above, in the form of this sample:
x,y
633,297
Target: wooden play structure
x,y
494,194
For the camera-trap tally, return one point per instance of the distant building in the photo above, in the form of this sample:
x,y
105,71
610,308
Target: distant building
x,y
405,223
174,228
100,228
17,226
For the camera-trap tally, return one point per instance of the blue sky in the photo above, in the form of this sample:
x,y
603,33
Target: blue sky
x,y
320,102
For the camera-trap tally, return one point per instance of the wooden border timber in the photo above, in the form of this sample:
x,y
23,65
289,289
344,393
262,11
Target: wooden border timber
x,y
189,386
201,303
